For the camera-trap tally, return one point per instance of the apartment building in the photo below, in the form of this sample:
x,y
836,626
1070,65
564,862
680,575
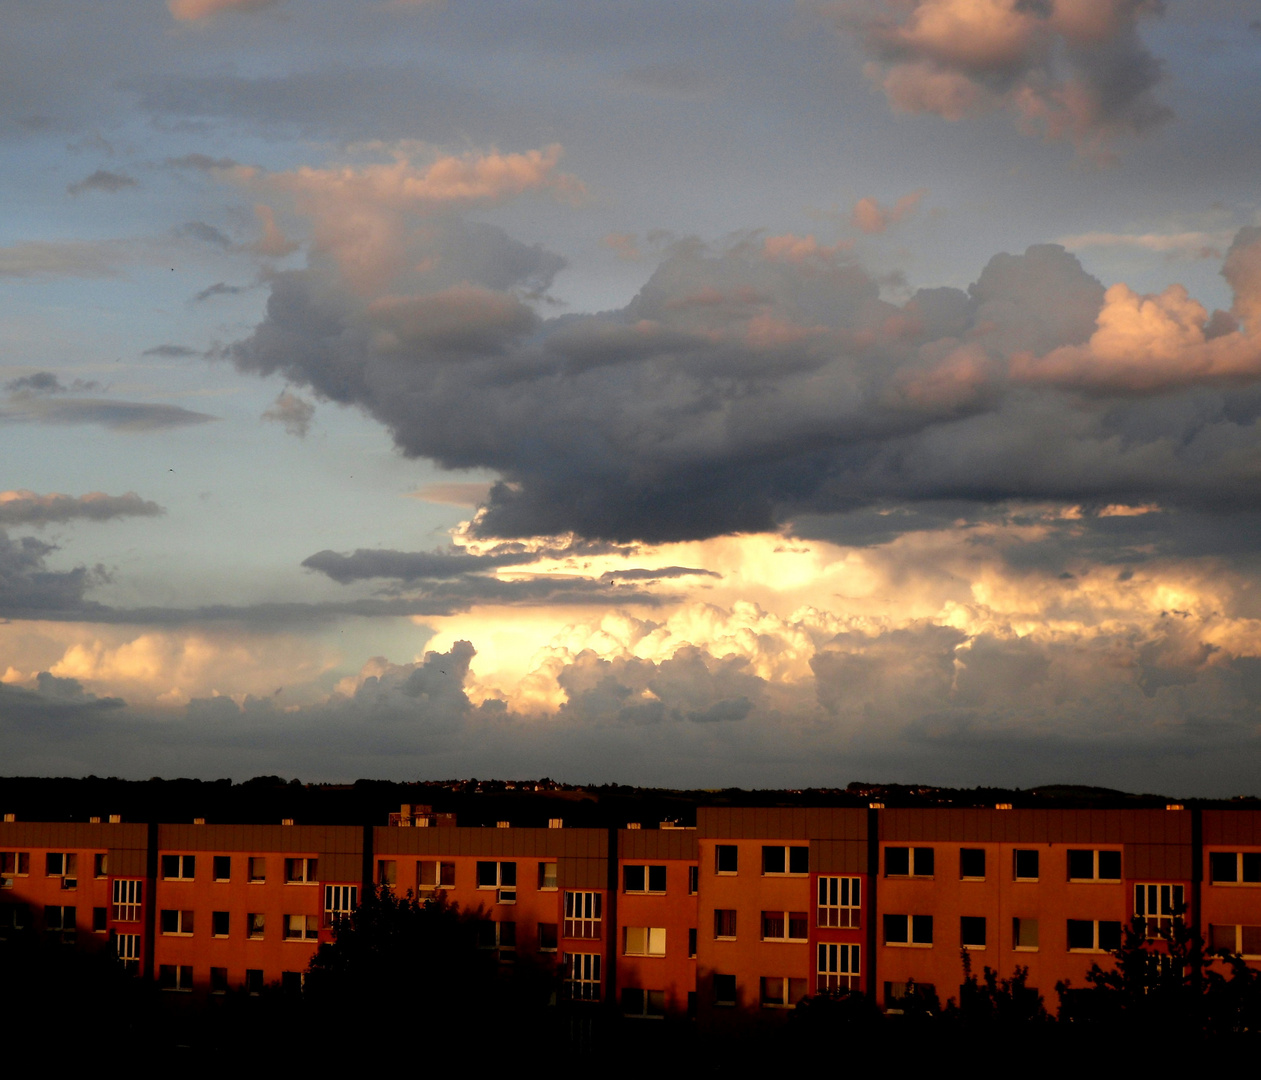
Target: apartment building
x,y
732,922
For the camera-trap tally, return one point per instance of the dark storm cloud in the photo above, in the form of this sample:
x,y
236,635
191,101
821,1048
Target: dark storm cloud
x,y
28,508
29,590
52,699
739,390
102,180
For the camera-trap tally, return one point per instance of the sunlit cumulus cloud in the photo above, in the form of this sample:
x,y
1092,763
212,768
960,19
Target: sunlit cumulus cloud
x,y
28,508
1073,69
869,216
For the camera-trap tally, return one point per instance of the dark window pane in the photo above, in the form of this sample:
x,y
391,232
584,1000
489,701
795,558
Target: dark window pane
x,y
1081,865
1110,865
1251,866
487,874
772,860
922,929
1223,866
656,879
799,860
1251,944
633,878
1081,934
924,862
897,861
507,873
1109,935
895,929
972,930
972,862
727,859
1027,864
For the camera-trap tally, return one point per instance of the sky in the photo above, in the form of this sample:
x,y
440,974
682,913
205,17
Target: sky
x,y
666,393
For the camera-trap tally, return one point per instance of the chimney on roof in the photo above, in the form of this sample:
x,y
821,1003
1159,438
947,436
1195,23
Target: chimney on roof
x,y
286,821
1174,806
94,821
556,823
199,821
115,819
632,824
1002,806
10,817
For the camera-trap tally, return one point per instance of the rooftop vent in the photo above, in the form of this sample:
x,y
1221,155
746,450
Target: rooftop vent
x,y
1002,806
115,819
556,823
286,821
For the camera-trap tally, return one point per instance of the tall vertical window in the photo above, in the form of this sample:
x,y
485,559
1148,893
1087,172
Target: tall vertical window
x,y
839,967
547,876
1157,907
840,899
59,923
339,901
128,896
127,949
582,976
582,914
725,924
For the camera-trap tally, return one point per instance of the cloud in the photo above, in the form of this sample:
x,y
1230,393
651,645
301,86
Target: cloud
x,y
127,416
293,412
61,258
207,234
272,242
1074,69
197,10
52,699
869,216
1187,245
29,590
102,180
455,493
202,163
45,382
170,351
219,288
28,508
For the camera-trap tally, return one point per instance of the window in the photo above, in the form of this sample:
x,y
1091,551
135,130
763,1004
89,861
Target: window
x,y
582,976
172,921
432,875
59,922
301,927
223,867
972,931
218,980
258,868
644,879
908,929
908,862
1158,907
13,917
128,894
838,967
781,992
219,922
1025,864
547,875
1244,940
254,924
693,880
839,901
724,989
547,937
100,920
127,949
643,1003
501,936
725,924
726,858
785,926
1024,935
173,977
291,982
501,876
302,871
1090,865
178,867
691,943
1234,867
100,865
785,860
582,914
1086,936
13,864
387,872
339,902
897,996
644,941
253,980
64,865
972,863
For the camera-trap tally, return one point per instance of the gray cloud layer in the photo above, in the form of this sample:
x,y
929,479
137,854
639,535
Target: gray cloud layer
x,y
28,508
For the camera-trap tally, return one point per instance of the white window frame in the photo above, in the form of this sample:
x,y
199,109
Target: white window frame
x,y
1239,881
840,901
68,868
1165,897
183,918
909,941
787,850
339,902
839,966
1094,869
787,921
548,879
186,867
255,925
13,864
1095,946
308,931
784,1000
913,857
1238,929
181,978
128,899
643,941
985,933
582,973
302,870
127,949
647,868
584,914
438,869
647,1000
505,891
